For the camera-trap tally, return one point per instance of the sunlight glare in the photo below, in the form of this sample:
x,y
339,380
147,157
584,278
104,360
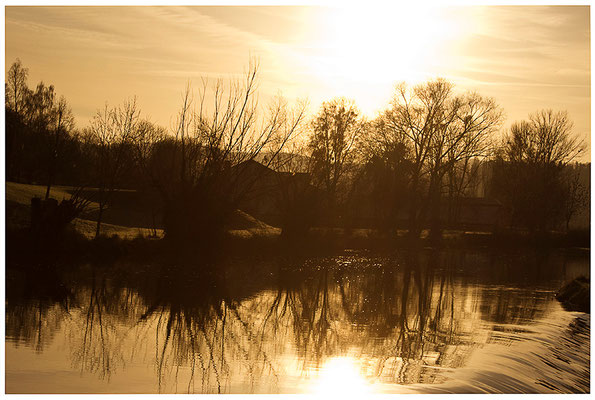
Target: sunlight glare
x,y
362,52
396,42
340,376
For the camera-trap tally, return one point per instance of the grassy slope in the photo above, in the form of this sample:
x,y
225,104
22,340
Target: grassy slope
x,y
22,193
129,216
18,200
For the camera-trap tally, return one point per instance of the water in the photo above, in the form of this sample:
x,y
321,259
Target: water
x,y
430,322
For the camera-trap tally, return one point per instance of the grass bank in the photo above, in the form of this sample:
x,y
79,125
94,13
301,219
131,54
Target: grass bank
x,y
246,235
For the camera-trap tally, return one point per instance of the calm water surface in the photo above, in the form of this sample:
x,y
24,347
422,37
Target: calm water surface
x,y
429,322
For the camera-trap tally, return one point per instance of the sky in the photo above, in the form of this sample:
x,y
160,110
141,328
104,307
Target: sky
x,y
526,57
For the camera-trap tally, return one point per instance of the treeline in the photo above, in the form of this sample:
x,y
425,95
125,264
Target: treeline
x,y
418,158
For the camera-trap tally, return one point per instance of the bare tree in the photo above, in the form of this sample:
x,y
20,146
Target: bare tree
x,y
62,125
146,137
109,136
335,130
39,107
380,184
529,171
416,116
146,142
16,87
216,132
441,130
546,138
16,92
468,143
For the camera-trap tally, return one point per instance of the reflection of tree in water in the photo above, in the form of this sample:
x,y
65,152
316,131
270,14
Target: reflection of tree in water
x,y
394,317
190,316
37,301
93,314
410,310
98,335
300,311
228,332
197,325
403,320
503,302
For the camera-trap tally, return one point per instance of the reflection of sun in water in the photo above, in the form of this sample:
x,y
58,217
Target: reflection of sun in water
x,y
340,376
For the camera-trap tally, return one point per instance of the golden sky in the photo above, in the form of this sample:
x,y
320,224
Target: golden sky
x,y
527,58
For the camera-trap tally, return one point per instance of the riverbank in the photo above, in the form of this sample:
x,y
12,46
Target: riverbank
x,y
245,235
22,246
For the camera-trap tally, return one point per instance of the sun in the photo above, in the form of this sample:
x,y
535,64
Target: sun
x,y
369,49
390,42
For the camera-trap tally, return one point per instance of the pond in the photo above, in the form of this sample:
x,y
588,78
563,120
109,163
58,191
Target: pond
x,y
413,322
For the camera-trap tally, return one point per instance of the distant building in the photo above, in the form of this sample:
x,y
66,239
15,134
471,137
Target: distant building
x,y
266,193
476,213
269,195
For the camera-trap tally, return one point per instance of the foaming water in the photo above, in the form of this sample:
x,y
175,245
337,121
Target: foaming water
x,y
449,322
549,356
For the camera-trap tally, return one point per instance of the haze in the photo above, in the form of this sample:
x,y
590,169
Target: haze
x,y
527,58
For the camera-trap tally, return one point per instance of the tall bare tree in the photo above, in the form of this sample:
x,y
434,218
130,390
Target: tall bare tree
x,y
16,86
545,138
16,92
441,129
62,123
215,133
380,187
529,171
109,136
335,130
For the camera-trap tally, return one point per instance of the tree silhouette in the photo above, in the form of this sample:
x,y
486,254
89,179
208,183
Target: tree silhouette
x,y
109,138
62,123
576,194
335,130
205,183
442,131
39,130
529,169
16,87
381,183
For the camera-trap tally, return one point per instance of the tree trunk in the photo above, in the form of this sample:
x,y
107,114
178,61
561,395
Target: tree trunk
x,y
434,201
49,184
99,217
413,228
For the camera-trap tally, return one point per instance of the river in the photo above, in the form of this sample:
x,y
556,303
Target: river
x,y
425,322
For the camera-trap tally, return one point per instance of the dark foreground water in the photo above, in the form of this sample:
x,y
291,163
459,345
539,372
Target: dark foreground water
x,y
429,322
